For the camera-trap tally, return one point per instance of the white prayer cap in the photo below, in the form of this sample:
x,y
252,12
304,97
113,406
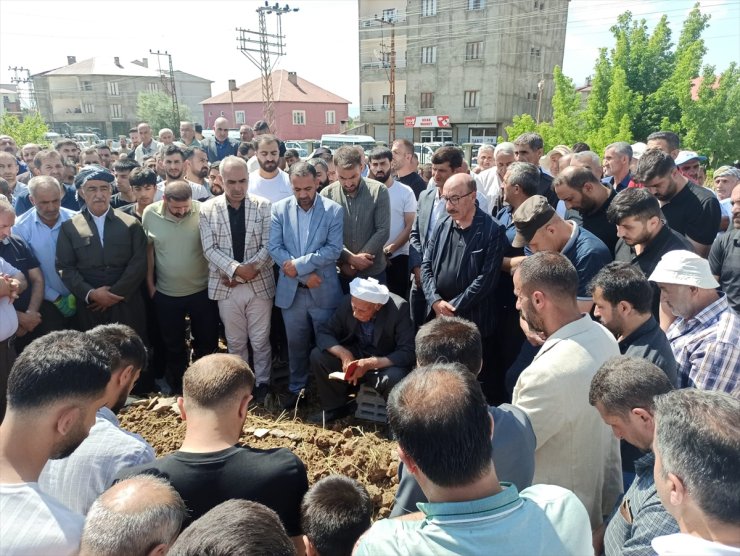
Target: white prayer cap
x,y
684,268
369,289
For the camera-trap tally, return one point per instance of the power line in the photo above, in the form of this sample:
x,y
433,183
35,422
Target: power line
x,y
269,47
172,90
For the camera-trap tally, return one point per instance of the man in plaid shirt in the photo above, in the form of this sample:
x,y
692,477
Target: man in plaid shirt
x,y
704,335
622,391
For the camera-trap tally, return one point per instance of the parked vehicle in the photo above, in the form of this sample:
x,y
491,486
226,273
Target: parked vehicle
x,y
335,141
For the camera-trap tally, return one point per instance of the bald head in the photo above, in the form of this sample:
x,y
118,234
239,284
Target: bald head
x,y
221,128
138,516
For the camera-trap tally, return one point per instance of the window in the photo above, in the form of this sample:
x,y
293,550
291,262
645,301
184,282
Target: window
x,y
115,111
532,96
88,108
389,15
427,100
471,99
299,117
152,87
484,135
113,89
240,117
428,7
330,117
86,86
534,52
476,4
428,54
474,50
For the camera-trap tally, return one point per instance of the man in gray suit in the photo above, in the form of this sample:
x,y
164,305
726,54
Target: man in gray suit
x,y
305,242
101,257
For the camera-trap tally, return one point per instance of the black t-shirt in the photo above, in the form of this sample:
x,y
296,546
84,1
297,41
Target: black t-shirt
x,y
724,259
695,213
117,201
275,478
598,225
415,182
16,252
666,240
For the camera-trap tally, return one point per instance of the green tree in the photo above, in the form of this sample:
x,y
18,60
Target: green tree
x,y
711,122
519,124
31,130
567,114
156,110
598,99
617,122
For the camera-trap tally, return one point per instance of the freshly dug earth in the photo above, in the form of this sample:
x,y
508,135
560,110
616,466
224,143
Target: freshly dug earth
x,y
358,449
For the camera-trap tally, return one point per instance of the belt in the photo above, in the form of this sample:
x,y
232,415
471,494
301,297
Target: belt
x,y
302,285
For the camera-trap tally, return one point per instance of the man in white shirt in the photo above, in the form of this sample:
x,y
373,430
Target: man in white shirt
x,y
174,169
696,453
55,387
148,146
403,212
269,181
79,479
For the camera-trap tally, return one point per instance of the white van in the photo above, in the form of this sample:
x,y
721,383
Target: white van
x,y
333,142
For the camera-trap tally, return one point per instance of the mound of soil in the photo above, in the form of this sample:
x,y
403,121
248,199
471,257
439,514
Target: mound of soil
x,y
358,449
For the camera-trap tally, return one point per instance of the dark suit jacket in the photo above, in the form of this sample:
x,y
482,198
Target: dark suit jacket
x,y
418,238
84,264
209,145
393,337
480,268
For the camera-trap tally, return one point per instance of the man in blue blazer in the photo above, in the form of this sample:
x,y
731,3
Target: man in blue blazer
x,y
306,239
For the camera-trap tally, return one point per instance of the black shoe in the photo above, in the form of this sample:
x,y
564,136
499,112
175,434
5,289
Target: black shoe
x,y
329,415
293,399
260,393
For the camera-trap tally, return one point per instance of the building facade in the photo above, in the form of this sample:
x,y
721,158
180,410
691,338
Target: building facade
x,y
302,109
100,94
463,68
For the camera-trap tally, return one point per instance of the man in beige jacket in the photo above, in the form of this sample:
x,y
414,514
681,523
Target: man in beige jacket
x,y
575,449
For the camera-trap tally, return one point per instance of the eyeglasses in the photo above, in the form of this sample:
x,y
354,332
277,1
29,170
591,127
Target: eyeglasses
x,y
454,199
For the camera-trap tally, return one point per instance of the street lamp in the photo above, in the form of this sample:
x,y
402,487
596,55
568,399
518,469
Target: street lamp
x,y
232,88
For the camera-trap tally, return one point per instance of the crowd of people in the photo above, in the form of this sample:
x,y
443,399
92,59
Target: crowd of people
x,y
556,340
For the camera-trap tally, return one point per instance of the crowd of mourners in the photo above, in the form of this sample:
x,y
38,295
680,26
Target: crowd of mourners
x,y
556,337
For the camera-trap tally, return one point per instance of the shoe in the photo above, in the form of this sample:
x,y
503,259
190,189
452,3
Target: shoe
x,y
329,415
293,399
164,386
260,393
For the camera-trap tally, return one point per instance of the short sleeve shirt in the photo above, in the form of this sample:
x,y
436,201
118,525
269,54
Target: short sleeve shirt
x,y
17,253
695,213
402,201
724,260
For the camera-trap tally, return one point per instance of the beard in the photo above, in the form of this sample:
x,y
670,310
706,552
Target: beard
x,y
202,173
381,177
173,175
268,166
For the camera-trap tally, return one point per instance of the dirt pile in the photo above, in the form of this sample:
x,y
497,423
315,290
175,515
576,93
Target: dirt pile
x,y
351,447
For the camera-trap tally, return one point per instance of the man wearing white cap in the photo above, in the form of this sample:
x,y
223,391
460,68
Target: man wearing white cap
x,y
370,338
704,335
689,164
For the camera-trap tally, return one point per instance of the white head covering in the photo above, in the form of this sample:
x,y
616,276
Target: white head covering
x,y
369,289
684,268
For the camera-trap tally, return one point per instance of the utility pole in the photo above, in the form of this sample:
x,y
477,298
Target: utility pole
x,y
392,79
540,88
266,45
171,89
18,79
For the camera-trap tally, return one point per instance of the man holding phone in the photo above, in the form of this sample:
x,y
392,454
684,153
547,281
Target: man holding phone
x,y
370,339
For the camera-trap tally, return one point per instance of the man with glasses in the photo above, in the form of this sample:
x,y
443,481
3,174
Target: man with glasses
x,y
219,147
461,265
101,257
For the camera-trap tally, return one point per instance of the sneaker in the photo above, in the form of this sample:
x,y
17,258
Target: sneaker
x,y
260,393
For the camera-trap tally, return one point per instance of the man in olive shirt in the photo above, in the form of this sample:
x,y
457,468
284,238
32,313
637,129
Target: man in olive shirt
x,y
367,218
175,256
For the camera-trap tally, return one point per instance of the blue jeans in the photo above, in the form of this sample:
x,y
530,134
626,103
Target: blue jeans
x,y
301,320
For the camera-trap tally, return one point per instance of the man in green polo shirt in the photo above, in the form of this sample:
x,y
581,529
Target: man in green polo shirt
x,y
177,279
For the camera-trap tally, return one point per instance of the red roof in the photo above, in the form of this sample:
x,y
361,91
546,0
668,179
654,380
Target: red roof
x,y
283,90
696,83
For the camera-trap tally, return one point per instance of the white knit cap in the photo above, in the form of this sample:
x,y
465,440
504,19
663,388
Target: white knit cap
x,y
684,268
369,289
